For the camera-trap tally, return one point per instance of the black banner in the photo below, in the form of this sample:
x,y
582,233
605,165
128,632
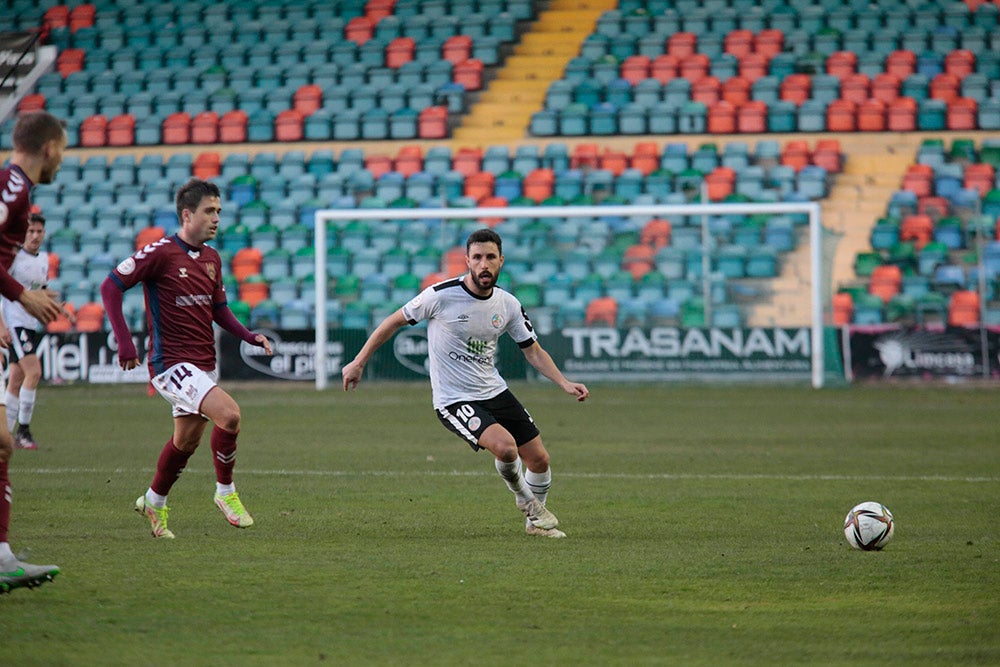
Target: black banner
x,y
882,352
18,54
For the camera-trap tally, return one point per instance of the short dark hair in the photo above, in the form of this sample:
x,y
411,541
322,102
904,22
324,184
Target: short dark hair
x,y
36,218
485,235
191,193
34,129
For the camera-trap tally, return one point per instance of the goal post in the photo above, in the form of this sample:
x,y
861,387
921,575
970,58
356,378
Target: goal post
x,y
811,209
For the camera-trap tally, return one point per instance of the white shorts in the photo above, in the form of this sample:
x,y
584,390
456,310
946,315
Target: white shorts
x,y
185,387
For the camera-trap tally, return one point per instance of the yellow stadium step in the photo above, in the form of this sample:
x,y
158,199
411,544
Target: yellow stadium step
x,y
503,111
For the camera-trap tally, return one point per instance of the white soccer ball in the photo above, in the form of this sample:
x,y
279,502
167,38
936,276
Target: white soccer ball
x,y
869,526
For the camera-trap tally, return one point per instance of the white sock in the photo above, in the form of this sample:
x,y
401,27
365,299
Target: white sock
x,y
5,552
224,489
511,473
153,499
11,403
539,483
27,407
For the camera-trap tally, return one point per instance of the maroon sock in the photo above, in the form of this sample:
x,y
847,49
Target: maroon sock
x,y
169,468
223,454
5,494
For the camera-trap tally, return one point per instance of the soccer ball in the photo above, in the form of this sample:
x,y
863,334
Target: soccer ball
x,y
869,526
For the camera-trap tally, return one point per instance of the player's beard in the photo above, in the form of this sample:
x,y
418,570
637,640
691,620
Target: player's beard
x,y
485,280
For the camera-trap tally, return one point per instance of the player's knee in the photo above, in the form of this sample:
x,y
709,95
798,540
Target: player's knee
x,y
6,445
536,461
229,420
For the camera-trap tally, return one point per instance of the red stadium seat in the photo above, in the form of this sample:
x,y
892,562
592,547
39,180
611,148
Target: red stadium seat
x,y
720,183
963,308
707,90
602,311
205,128
400,51
960,63
288,126
769,42
885,87
378,164
901,63
538,185
871,116
721,118
121,130
694,67
656,233
148,235
635,68
739,42
795,88
233,127
751,117
94,131
855,88
479,185
457,49
842,64
467,160
409,160
469,73
945,87
81,16
645,157
359,29
902,115
736,90
584,155
961,114
843,308
432,123
841,116
886,281
665,68
307,99
682,44
32,102
177,128
753,66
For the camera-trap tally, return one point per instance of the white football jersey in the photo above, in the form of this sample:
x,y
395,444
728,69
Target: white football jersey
x,y
32,271
462,334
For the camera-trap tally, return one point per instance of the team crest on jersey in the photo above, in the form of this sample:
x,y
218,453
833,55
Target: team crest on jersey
x,y
210,270
182,272
497,320
127,266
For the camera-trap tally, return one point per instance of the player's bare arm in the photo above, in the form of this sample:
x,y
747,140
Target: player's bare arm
x,y
383,332
543,363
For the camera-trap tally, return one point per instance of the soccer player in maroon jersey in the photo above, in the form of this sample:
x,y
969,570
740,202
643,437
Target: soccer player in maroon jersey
x,y
182,279
39,142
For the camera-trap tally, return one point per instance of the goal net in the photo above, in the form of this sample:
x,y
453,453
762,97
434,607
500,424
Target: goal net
x,y
576,235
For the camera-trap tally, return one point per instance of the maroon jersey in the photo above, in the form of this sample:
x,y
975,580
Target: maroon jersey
x,y
15,209
183,286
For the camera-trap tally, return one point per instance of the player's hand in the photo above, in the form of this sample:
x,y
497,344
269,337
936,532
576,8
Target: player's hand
x,y
41,304
352,374
128,364
579,390
263,342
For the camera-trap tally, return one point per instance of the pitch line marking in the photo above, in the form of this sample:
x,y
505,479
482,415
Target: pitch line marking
x,y
571,475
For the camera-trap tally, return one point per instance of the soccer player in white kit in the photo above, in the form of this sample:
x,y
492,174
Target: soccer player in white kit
x,y
465,318
31,269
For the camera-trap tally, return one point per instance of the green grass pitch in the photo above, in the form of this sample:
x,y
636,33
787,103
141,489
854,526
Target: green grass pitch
x,y
704,527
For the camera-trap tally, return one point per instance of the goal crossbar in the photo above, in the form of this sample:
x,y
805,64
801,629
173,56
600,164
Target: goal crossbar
x,y
811,209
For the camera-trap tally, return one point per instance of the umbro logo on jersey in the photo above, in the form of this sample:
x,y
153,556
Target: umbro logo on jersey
x,y
463,318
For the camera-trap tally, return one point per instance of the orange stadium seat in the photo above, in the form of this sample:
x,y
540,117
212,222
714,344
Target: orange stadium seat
x,y
665,67
707,90
378,165
886,281
207,165
961,114
721,118
400,51
247,262
469,73
885,87
871,115
753,66
585,155
738,42
538,184
409,160
843,308
70,60
751,117
177,128
919,179
432,123
736,90
694,67
614,161
682,44
963,308
32,102
720,182
960,63
359,29
918,228
65,320
769,42
454,262
902,115
53,265
602,311
467,160
795,88
635,68
901,63
479,185
90,317
82,16
307,99
842,64
645,157
656,233
148,235
639,260
457,49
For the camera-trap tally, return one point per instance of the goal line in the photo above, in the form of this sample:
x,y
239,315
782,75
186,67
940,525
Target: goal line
x,y
811,209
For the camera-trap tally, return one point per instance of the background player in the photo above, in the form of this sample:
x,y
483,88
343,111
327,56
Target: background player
x,y
466,317
31,269
182,279
39,141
